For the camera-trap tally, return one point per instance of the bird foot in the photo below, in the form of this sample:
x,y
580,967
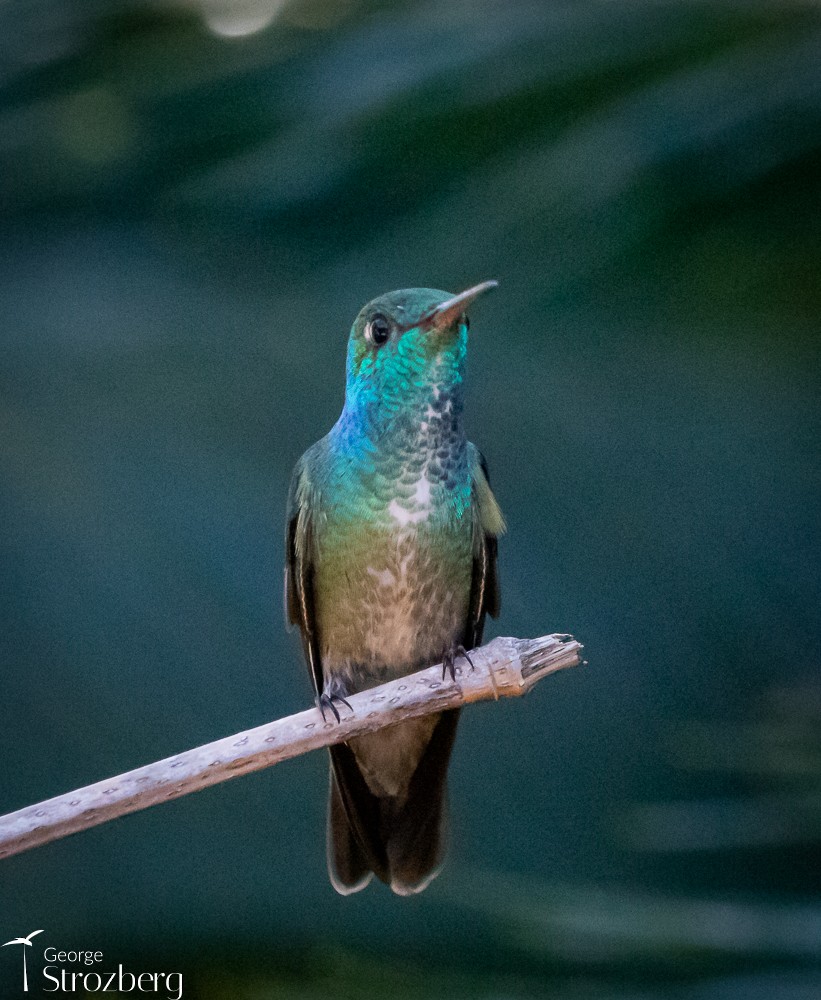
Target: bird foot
x,y
449,657
326,702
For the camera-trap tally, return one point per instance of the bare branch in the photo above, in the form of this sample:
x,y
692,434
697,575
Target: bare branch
x,y
503,668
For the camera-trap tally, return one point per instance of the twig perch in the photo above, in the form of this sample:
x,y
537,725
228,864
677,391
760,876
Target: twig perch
x,y
503,668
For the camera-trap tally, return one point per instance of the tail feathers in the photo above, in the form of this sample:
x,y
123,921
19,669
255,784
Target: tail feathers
x,y
347,863
416,850
401,843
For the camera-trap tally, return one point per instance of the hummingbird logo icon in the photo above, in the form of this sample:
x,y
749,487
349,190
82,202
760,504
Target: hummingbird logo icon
x,y
26,942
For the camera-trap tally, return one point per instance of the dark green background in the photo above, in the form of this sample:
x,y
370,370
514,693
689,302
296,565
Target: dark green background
x,y
189,224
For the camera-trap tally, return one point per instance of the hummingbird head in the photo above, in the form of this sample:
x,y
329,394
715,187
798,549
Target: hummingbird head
x,y
404,344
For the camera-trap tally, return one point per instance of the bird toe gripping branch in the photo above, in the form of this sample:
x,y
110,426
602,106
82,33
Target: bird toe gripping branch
x,y
505,667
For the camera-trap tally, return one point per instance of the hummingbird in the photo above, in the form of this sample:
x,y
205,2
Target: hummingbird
x,y
391,543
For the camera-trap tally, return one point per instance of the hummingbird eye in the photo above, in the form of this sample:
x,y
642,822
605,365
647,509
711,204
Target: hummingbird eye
x,y
378,330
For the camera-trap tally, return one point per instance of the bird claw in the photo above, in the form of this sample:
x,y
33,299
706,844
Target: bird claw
x,y
449,657
326,701
463,652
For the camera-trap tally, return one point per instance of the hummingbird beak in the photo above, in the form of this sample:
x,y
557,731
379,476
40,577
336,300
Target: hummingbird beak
x,y
443,316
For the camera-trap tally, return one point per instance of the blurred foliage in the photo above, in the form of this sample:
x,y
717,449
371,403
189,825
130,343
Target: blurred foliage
x,y
196,199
